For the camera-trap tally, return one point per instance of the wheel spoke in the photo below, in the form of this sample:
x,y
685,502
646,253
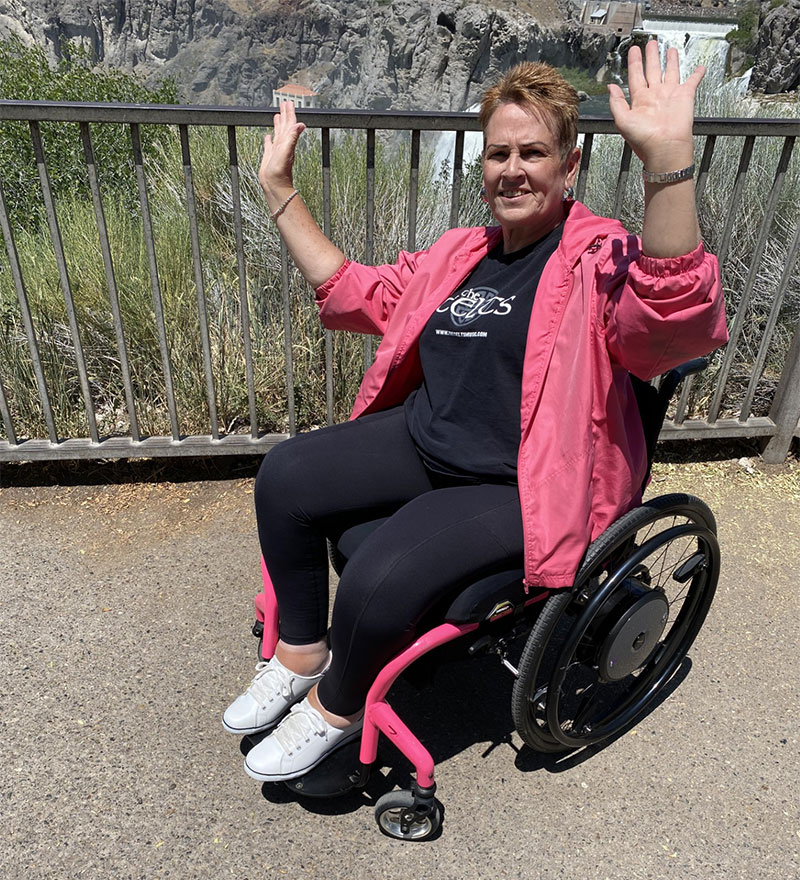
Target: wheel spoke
x,y
661,558
680,595
584,710
672,566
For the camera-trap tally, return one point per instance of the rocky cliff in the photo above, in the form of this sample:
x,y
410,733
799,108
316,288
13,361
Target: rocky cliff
x,y
379,54
777,66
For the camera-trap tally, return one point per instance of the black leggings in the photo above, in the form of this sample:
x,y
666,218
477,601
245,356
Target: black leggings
x,y
441,535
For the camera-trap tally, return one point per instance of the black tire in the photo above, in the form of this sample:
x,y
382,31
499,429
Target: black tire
x,y
398,817
566,695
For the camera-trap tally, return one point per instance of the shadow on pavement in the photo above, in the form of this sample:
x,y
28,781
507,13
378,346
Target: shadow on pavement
x,y
444,719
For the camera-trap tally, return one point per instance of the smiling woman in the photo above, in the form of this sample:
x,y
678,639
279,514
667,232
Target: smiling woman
x,y
525,175
497,426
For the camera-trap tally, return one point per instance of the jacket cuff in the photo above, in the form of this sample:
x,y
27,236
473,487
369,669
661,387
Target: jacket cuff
x,y
662,267
325,288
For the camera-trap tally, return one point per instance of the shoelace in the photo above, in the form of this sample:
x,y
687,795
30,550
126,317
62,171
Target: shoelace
x,y
270,681
298,727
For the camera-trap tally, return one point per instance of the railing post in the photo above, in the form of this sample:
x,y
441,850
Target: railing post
x,y
785,410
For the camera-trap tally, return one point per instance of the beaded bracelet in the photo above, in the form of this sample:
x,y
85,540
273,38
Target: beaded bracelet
x,y
277,213
668,176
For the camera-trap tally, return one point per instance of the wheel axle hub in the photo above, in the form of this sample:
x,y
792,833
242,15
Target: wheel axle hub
x,y
633,637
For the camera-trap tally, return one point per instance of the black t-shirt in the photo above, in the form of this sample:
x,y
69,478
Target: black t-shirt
x,y
465,418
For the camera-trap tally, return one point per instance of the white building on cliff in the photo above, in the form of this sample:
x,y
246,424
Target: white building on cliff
x,y
300,96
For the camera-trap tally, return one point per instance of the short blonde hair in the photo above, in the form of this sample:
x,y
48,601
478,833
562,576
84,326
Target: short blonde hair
x,y
542,91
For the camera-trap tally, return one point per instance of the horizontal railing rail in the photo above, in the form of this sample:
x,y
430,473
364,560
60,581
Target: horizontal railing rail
x,y
383,120
754,390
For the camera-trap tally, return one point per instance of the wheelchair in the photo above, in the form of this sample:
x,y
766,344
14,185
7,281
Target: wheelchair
x,y
596,657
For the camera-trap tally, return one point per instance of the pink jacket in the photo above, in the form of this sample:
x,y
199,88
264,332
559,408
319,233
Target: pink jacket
x,y
602,309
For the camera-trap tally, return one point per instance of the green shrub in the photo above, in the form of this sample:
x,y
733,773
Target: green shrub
x,y
26,75
583,81
745,34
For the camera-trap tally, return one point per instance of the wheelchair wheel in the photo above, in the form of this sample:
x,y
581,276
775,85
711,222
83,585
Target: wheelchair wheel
x,y
599,654
399,815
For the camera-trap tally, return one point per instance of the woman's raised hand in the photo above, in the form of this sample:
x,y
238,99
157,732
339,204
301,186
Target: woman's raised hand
x,y
314,255
277,160
658,122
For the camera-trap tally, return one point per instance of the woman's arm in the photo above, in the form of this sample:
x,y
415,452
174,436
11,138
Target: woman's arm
x,y
314,255
659,312
658,126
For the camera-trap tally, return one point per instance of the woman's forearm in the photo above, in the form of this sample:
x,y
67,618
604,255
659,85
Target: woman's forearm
x,y
315,256
657,124
670,227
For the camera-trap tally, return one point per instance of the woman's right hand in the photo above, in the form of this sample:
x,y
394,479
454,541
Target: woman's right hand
x,y
277,160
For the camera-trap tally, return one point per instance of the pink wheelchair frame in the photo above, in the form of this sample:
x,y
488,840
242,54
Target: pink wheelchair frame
x,y
379,717
413,814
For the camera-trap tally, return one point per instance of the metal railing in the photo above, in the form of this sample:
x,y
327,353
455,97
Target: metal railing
x,y
776,427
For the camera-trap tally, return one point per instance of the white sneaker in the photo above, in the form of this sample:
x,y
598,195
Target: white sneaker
x,y
271,693
300,742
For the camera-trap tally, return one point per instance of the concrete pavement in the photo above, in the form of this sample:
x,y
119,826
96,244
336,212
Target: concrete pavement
x,y
124,618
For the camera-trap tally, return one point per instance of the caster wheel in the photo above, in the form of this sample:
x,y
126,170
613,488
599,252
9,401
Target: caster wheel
x,y
258,632
400,817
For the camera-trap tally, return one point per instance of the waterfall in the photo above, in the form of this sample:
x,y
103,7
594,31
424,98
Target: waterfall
x,y
614,63
697,42
446,145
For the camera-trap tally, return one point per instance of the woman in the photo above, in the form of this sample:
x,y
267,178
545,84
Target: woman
x,y
497,425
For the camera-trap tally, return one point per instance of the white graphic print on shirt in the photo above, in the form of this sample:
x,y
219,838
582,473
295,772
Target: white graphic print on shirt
x,y
468,305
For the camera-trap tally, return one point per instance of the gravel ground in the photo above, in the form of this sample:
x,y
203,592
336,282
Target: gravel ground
x,y
124,624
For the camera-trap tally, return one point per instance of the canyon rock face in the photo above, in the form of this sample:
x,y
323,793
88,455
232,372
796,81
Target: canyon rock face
x,y
777,66
382,54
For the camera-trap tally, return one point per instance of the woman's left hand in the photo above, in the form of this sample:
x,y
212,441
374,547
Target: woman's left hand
x,y
658,122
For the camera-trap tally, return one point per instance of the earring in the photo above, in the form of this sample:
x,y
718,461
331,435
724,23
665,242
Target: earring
x,y
569,193
483,194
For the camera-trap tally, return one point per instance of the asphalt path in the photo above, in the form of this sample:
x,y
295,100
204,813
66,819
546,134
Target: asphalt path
x,y
124,632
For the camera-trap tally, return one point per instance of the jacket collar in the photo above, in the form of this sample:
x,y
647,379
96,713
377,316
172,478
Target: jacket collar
x,y
582,229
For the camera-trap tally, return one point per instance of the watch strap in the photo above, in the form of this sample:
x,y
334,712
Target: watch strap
x,y
668,176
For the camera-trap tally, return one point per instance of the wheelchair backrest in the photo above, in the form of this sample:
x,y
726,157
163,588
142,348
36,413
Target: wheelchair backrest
x,y
653,402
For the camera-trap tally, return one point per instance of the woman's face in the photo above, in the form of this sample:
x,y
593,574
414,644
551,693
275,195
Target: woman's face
x,y
524,175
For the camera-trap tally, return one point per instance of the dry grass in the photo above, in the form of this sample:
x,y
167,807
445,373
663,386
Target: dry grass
x,y
265,297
